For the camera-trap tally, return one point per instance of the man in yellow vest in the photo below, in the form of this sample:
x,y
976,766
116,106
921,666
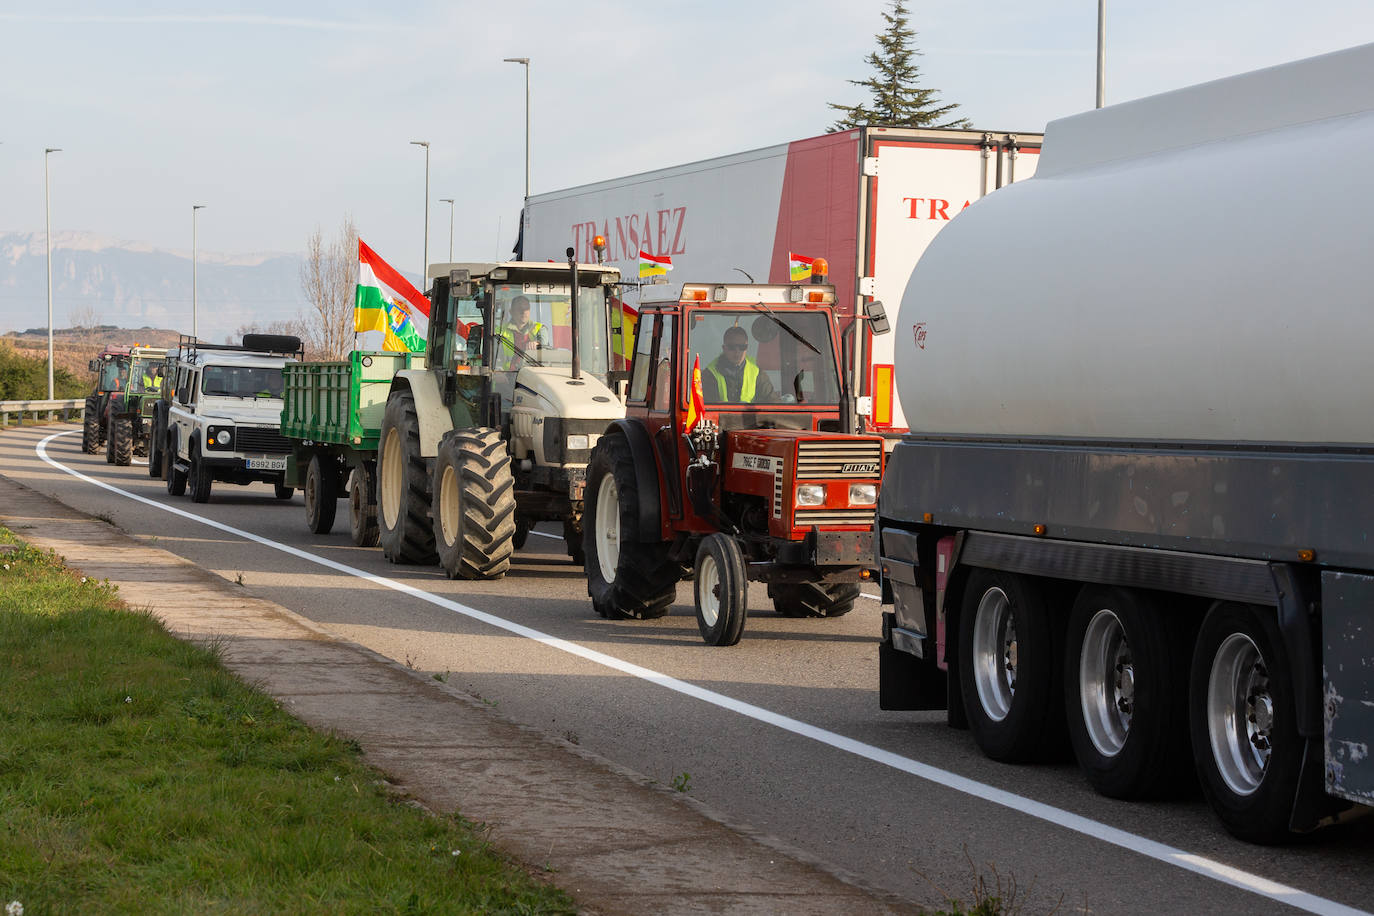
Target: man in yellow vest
x,y
519,334
737,377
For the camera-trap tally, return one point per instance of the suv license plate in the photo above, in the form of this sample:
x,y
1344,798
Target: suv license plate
x,y
266,464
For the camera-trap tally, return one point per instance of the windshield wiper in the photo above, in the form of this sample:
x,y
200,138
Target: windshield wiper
x,y
786,327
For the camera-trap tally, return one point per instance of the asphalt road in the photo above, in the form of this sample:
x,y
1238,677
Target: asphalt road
x,y
781,734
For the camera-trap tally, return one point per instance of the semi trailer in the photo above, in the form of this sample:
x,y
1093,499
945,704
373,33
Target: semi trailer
x,y
1133,508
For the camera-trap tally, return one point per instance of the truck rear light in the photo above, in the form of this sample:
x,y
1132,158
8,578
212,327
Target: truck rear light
x,y
811,494
863,494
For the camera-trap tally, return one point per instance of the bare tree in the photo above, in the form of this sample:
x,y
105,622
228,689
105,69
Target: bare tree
x,y
84,321
329,277
293,327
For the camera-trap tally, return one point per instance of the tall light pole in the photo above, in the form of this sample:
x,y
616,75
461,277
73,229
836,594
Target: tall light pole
x,y
449,201
525,62
1101,51
424,268
47,236
194,253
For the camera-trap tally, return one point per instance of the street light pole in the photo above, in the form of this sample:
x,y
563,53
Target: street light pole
x,y
525,62
47,237
424,269
1101,51
449,201
194,253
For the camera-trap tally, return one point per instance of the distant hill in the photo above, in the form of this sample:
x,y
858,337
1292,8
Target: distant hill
x,y
72,348
131,284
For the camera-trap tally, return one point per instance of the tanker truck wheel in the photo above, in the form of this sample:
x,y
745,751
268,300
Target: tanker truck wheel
x,y
474,504
629,577
90,426
1125,696
721,590
321,496
1009,664
813,599
403,486
362,505
1243,722
122,441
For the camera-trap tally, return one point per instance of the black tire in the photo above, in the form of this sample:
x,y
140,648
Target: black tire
x,y
199,479
404,486
632,578
122,441
109,447
522,531
474,504
175,477
1009,666
1125,692
813,599
721,590
90,426
281,491
362,506
321,495
572,540
1255,801
155,437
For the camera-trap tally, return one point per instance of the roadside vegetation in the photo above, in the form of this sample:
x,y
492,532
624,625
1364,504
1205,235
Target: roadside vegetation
x,y
138,775
26,378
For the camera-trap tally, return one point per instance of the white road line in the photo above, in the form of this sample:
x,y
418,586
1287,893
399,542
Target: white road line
x,y
1170,855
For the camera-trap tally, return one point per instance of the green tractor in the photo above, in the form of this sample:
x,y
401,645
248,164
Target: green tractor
x,y
118,413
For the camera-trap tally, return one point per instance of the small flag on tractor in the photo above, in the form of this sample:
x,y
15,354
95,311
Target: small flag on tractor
x,y
696,407
799,266
653,265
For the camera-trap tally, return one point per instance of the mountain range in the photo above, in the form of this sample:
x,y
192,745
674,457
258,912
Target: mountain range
x,y
102,281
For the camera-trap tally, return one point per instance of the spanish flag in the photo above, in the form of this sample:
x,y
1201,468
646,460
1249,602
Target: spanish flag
x,y
653,265
800,266
696,406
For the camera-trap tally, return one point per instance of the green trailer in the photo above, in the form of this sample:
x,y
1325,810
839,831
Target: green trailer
x,y
332,415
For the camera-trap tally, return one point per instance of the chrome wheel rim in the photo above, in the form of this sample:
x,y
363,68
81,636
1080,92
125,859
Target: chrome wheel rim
x,y
393,477
995,653
708,590
607,528
450,514
1106,683
1240,713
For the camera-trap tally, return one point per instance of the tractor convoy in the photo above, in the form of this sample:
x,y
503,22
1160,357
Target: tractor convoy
x,y
1120,508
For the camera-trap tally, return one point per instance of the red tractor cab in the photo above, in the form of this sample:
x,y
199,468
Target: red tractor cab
x,y
736,459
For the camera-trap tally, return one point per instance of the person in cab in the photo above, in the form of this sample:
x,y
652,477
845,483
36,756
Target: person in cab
x,y
734,375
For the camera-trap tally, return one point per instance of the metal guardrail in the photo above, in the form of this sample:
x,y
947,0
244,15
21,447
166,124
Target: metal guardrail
x,y
51,408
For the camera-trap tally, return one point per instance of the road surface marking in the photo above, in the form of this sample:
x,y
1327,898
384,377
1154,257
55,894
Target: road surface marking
x,y
1160,852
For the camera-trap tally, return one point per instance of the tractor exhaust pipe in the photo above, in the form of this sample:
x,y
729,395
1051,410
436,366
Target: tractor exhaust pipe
x,y
576,350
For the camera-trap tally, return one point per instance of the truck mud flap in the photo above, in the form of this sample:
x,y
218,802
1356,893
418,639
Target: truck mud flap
x,y
906,682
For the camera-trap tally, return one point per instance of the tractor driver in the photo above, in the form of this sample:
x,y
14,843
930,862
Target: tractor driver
x,y
521,333
737,377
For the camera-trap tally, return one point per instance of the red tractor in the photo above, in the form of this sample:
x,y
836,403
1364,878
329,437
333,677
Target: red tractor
x,y
737,459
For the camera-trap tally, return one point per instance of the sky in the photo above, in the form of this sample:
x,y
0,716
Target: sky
x,y
283,117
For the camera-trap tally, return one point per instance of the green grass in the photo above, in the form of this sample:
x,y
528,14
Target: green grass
x,y
138,775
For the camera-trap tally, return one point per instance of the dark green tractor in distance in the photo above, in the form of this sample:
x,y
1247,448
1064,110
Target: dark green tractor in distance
x,y
119,413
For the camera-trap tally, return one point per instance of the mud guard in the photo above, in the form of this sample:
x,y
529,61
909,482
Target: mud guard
x,y
646,474
430,409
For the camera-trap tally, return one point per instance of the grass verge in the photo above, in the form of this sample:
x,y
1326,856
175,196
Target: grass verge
x,y
138,775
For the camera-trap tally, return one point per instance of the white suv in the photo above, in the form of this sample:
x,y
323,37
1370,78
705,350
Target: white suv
x,y
224,415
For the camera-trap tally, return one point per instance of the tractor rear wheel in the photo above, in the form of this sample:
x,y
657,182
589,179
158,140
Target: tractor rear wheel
x,y
122,441
321,495
362,505
721,590
474,504
629,573
404,486
90,426
813,599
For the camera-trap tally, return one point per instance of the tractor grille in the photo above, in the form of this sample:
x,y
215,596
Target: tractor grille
x,y
265,439
826,518
855,459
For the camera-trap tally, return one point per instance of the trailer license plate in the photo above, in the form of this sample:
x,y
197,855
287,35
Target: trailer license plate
x,y
267,464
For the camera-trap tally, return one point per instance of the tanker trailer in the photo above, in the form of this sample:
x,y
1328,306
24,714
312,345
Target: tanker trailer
x,y
1133,512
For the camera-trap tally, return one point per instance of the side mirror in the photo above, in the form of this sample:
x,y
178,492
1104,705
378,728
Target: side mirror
x,y
877,317
94,365
460,282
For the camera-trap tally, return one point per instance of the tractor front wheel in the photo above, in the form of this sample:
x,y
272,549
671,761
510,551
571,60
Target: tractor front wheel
x,y
722,594
474,504
629,573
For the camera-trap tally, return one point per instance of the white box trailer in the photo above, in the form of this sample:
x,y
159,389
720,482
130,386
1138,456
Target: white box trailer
x,y
869,201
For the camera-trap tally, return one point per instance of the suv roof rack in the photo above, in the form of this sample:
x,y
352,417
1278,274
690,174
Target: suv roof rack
x,y
266,344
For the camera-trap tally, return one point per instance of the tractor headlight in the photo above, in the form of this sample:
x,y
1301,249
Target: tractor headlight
x,y
863,494
811,494
579,443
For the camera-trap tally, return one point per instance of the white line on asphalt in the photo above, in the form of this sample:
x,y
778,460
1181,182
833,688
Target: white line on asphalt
x,y
1170,855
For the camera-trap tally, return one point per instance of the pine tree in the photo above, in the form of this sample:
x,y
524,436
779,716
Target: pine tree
x,y
896,100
